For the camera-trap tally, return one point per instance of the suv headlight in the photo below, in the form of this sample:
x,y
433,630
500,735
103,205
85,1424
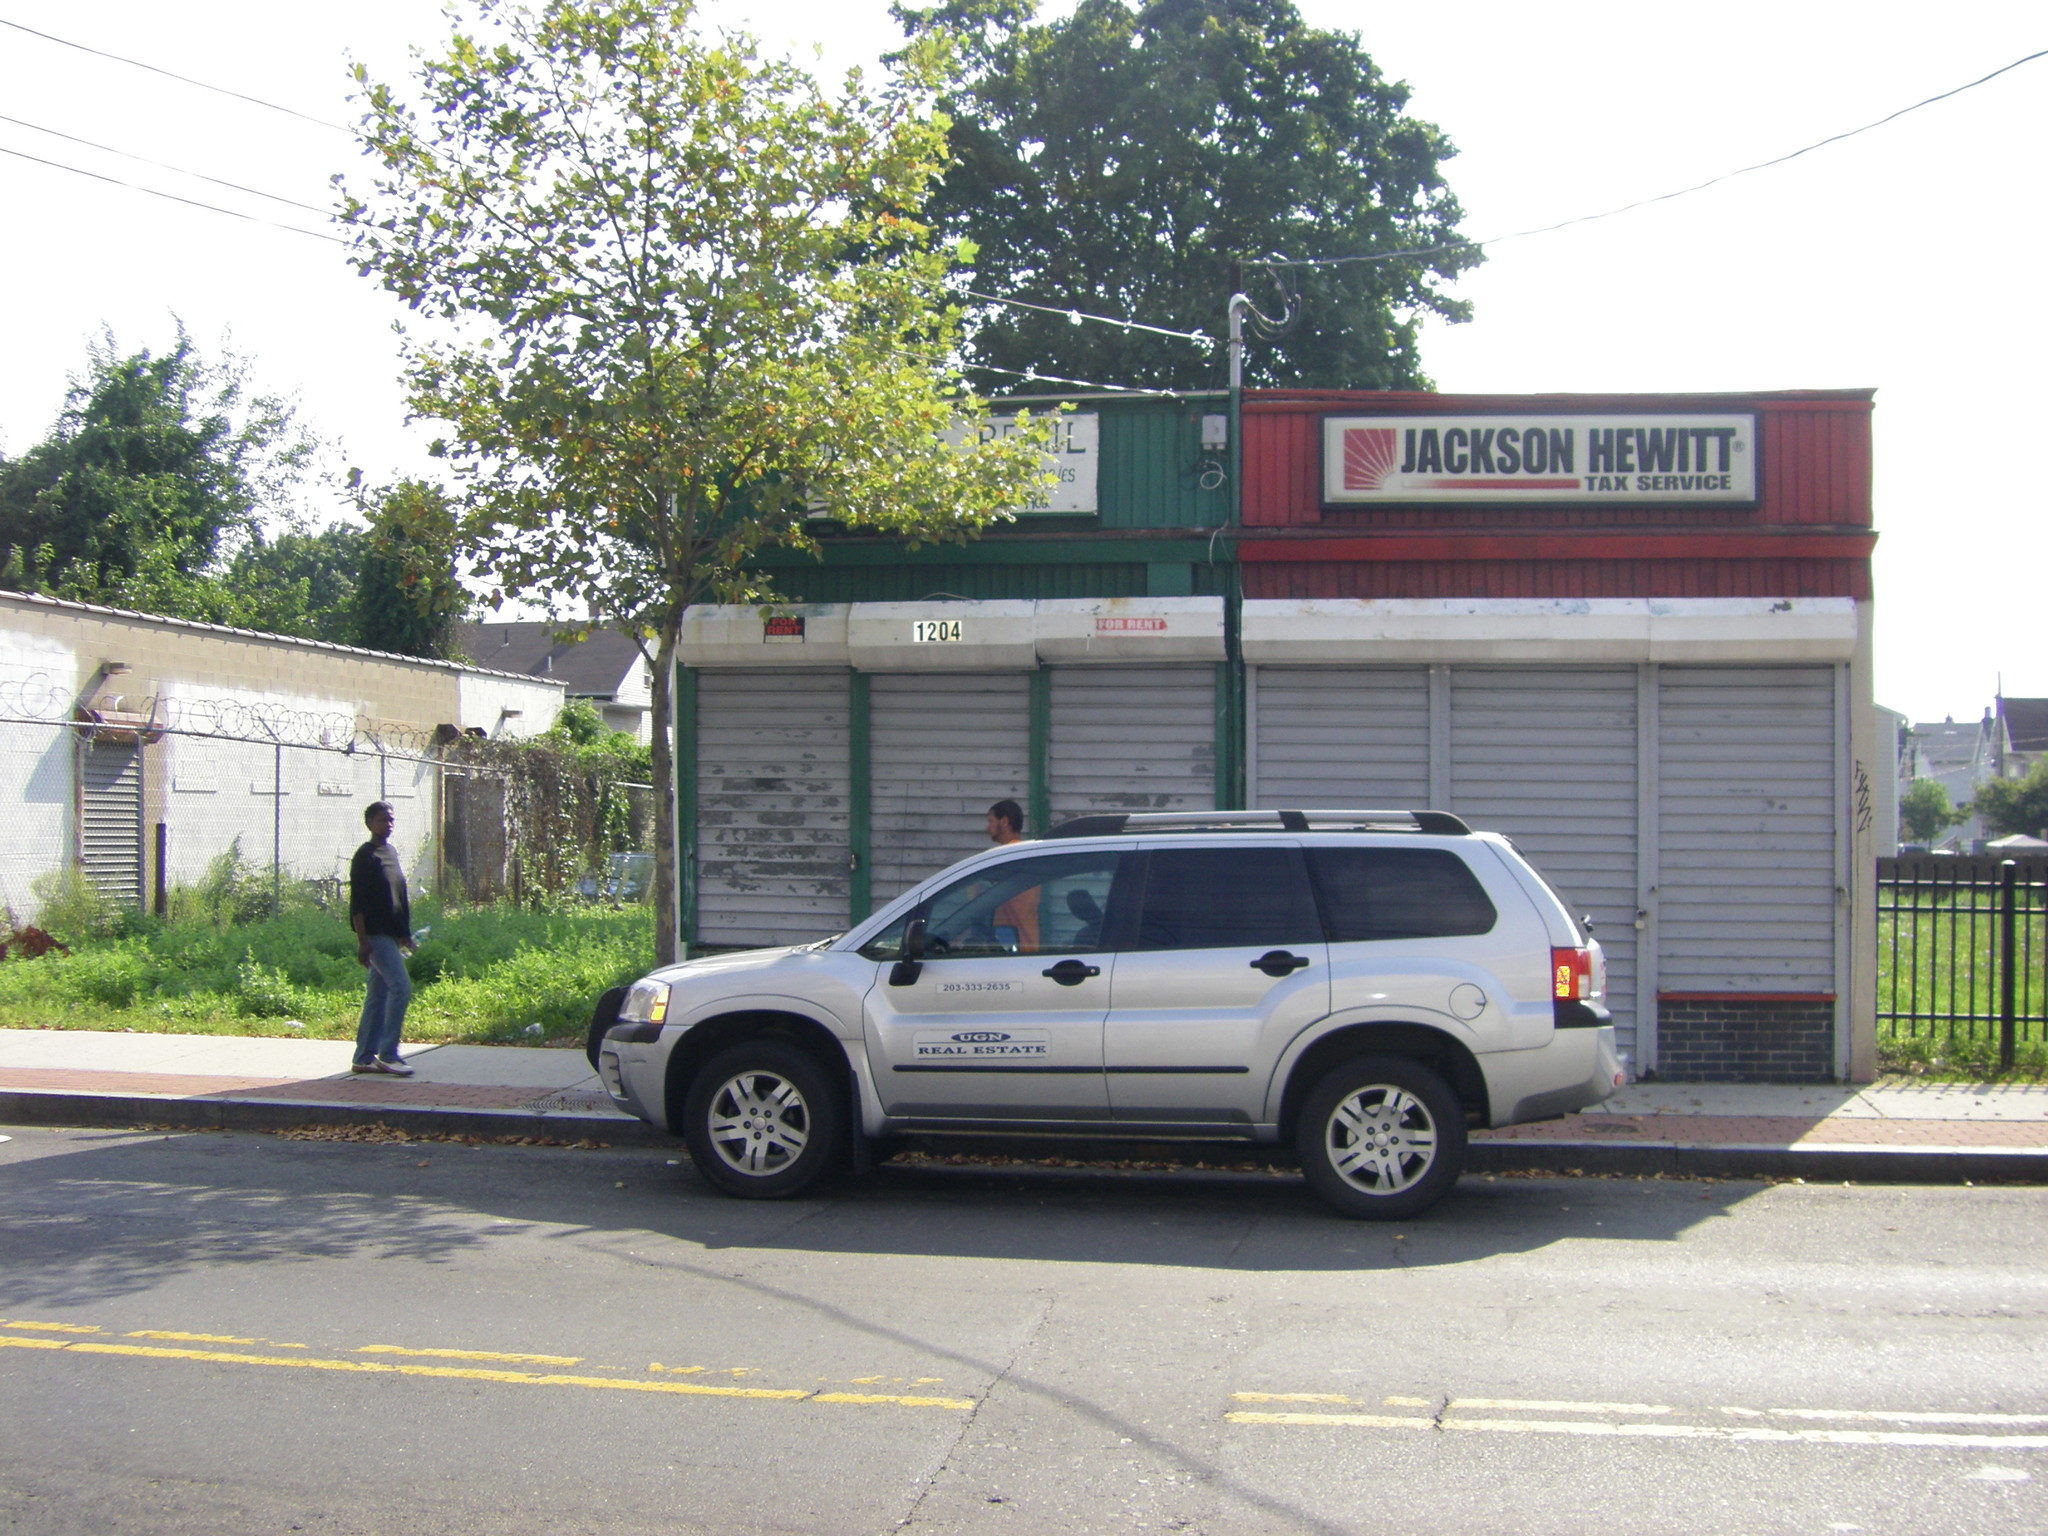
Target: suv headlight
x,y
646,1003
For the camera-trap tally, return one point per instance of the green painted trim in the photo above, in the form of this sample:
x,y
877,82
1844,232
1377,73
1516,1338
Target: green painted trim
x,y
683,704
1039,812
1170,578
1091,546
860,799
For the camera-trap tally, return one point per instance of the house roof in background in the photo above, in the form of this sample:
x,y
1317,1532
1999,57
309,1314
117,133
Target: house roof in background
x,y
1945,742
592,668
2026,723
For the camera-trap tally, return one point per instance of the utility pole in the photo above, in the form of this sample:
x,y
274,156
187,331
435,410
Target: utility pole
x,y
1233,599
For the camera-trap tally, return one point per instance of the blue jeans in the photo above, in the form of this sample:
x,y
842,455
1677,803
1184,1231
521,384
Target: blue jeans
x,y
384,1006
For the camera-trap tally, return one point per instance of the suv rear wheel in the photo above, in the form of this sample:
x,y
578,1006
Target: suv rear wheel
x,y
762,1120
1381,1137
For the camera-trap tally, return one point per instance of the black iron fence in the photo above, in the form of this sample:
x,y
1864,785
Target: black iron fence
x,y
1961,947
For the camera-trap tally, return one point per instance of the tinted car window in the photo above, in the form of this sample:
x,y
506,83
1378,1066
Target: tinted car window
x,y
1399,893
1022,907
1223,898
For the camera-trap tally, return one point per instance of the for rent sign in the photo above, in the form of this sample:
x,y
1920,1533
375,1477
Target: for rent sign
x,y
1384,460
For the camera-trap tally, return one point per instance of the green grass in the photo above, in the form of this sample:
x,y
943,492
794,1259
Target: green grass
x,y
1932,961
482,975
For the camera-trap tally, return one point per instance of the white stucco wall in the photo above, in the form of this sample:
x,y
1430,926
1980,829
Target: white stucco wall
x,y
214,791
36,762
483,699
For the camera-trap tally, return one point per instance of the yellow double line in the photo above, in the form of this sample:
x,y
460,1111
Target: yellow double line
x,y
93,1346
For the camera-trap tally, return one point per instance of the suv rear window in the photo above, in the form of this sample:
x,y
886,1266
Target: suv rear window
x,y
1399,893
1226,898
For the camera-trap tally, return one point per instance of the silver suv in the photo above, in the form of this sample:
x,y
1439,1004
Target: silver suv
x,y
1362,984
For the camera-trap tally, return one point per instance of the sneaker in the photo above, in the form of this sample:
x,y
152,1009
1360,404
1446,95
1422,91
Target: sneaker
x,y
393,1066
364,1066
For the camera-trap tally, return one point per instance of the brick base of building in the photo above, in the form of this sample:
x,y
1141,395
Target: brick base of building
x,y
1745,1040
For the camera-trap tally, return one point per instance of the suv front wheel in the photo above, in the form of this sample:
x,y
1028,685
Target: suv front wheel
x,y
1381,1137
762,1120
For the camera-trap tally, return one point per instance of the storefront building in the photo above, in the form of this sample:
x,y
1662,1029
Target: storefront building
x,y
838,748
1631,632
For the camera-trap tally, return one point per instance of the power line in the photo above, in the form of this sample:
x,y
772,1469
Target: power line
x,y
1662,197
174,75
311,234
1032,375
164,165
1077,316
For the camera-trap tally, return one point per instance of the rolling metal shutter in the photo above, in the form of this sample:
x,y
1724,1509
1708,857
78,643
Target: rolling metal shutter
x,y
773,789
1746,829
110,820
1548,757
1340,737
1132,739
943,748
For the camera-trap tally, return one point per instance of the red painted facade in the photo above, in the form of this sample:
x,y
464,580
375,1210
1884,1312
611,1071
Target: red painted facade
x,y
1808,536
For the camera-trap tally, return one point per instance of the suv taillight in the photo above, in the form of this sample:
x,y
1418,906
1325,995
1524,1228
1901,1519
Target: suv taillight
x,y
1571,975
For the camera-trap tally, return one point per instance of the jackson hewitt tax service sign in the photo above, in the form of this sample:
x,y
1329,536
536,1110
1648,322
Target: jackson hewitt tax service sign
x,y
1494,459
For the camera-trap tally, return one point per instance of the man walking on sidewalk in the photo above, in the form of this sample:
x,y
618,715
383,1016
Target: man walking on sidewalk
x,y
382,918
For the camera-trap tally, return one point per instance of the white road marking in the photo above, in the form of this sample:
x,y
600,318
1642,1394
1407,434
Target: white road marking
x,y
1605,1428
1870,1415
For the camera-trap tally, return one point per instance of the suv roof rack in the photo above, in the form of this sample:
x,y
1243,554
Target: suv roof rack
x,y
1439,823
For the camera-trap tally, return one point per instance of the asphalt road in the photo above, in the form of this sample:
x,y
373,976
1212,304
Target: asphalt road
x,y
237,1333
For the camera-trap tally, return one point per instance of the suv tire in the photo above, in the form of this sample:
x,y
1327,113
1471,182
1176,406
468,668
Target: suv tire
x,y
763,1120
1381,1137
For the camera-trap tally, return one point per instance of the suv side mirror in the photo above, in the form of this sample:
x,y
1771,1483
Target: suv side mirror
x,y
911,966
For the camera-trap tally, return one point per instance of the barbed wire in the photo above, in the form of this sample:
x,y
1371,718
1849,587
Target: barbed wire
x,y
36,699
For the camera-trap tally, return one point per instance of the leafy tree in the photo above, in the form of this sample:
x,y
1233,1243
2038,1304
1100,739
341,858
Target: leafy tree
x,y
580,731
155,465
168,487
687,296
1120,160
2016,805
1925,812
298,582
407,598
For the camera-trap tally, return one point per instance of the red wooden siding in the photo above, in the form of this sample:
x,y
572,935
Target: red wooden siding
x,y
1305,577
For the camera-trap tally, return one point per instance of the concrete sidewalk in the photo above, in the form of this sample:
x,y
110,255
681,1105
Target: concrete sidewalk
x,y
1897,1132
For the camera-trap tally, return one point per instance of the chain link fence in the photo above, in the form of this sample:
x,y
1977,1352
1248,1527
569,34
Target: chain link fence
x,y
228,805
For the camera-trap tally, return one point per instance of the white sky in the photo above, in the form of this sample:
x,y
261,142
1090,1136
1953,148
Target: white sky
x,y
1908,259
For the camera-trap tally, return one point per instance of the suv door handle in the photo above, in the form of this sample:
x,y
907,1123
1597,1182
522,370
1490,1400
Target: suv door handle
x,y
1071,973
1277,962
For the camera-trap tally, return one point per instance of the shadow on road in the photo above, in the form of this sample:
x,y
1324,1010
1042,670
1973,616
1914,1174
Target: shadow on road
x,y
90,1215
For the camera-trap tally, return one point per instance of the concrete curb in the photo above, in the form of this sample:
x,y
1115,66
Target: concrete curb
x,y
1726,1160
1764,1160
22,1107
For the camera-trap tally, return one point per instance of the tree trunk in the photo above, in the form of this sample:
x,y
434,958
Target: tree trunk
x,y
667,915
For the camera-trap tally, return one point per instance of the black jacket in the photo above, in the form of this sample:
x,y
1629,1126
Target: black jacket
x,y
376,892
